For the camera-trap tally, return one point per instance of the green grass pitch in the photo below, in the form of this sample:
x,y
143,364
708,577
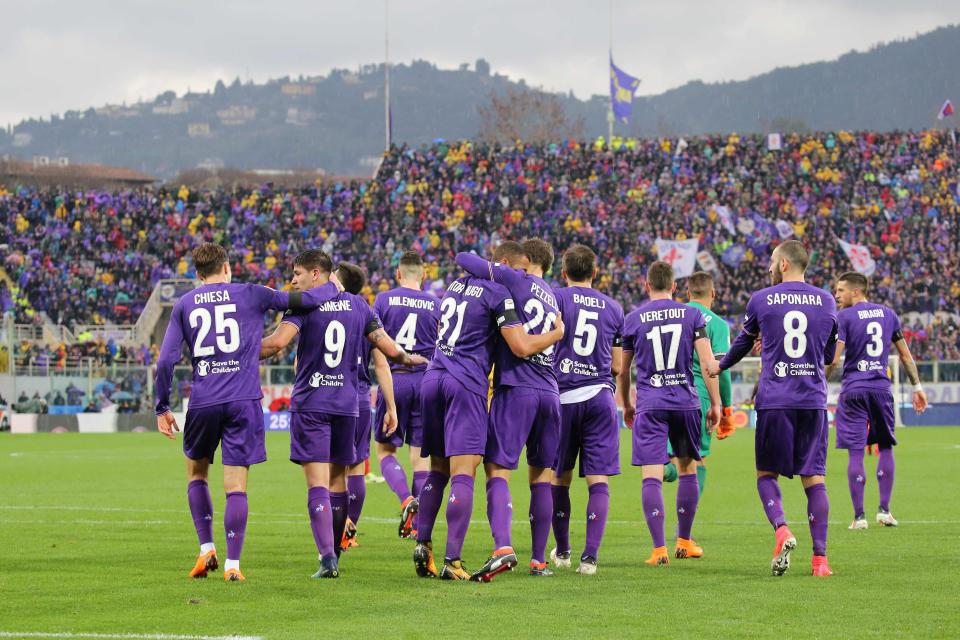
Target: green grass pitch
x,y
95,537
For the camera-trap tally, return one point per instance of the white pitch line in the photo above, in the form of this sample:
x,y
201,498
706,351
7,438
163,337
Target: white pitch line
x,y
118,636
393,521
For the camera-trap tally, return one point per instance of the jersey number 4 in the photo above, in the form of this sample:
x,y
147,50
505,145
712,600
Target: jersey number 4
x,y
407,336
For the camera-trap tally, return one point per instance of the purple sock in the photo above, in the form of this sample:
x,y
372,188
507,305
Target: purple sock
x,y
395,476
652,499
855,479
338,513
357,492
321,519
598,505
688,495
459,510
769,490
541,517
419,478
201,508
499,511
431,497
885,470
818,511
561,517
235,523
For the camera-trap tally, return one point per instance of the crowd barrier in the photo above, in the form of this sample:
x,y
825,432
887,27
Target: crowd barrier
x,y
936,415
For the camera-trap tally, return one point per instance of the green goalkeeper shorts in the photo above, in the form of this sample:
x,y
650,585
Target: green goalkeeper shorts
x,y
705,436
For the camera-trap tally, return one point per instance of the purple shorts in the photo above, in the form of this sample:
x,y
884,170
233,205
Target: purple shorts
x,y
237,425
322,437
454,418
792,441
406,395
590,430
361,434
652,430
522,416
865,418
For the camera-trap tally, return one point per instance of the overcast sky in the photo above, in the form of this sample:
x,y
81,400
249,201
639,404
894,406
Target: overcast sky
x,y
60,55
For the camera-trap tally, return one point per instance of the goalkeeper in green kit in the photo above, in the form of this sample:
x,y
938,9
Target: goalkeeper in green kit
x,y
701,294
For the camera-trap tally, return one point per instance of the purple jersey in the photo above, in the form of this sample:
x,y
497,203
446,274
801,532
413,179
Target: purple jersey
x,y
472,313
797,323
594,325
363,375
661,334
223,327
410,317
332,338
867,330
537,310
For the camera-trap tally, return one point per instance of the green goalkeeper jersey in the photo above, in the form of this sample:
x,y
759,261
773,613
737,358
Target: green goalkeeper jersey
x,y
719,333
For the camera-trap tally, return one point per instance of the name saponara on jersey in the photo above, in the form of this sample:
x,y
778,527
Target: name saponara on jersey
x,y
812,299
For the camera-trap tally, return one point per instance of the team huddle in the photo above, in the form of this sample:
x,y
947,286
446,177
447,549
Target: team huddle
x,y
504,363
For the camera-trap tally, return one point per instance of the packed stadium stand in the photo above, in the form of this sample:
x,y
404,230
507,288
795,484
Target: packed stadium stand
x,y
93,257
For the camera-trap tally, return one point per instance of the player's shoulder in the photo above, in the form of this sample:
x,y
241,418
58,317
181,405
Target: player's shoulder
x,y
761,294
491,287
357,300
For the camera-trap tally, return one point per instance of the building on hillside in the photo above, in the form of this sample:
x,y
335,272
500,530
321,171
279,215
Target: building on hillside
x,y
45,171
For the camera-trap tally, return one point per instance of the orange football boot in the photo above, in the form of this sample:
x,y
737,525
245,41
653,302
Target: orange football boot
x,y
687,549
658,557
206,562
786,543
820,566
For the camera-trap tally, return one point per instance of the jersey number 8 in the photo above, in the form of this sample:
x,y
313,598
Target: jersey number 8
x,y
795,334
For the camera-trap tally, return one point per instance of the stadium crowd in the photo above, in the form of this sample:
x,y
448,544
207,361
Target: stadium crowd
x,y
93,257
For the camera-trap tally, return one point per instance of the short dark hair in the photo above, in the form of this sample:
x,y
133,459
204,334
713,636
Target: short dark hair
x,y
579,262
795,253
856,280
539,252
411,263
508,250
700,284
314,259
660,276
352,277
208,259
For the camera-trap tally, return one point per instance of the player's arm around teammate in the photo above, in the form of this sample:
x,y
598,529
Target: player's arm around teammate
x,y
385,387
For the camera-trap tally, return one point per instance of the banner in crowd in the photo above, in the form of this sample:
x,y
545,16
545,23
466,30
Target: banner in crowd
x,y
946,110
706,261
622,88
733,255
784,229
860,258
681,254
726,219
